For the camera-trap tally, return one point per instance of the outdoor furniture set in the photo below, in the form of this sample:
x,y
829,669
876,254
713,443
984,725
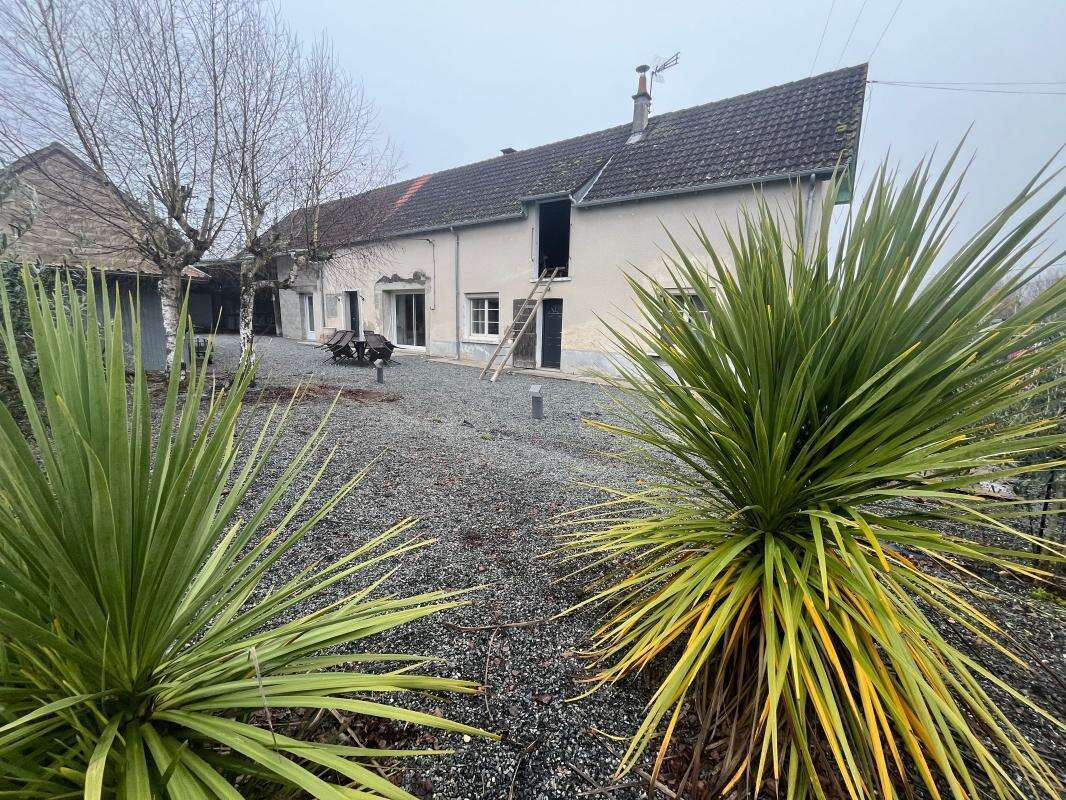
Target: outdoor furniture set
x,y
346,345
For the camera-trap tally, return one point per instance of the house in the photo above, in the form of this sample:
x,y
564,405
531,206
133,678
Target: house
x,y
78,222
457,251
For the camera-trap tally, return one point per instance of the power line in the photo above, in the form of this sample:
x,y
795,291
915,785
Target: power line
x,y
885,30
851,33
942,88
821,38
986,83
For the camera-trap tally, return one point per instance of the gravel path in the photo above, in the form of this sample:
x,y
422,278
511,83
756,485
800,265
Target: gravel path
x,y
465,458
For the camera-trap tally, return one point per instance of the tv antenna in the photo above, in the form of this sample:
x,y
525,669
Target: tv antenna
x,y
663,64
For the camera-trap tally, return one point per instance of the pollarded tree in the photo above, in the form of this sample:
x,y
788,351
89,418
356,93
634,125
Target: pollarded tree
x,y
257,135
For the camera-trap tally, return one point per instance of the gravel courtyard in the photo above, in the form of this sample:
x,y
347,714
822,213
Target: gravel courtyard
x,y
465,458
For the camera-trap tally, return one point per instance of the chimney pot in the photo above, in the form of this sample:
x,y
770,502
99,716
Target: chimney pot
x,y
641,104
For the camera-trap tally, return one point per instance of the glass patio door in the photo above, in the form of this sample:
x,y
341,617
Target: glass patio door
x,y
411,319
307,303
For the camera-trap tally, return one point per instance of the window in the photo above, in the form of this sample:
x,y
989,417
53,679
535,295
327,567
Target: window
x,y
553,245
485,316
692,309
691,303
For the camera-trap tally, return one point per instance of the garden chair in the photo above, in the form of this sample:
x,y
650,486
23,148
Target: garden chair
x,y
331,341
342,347
377,346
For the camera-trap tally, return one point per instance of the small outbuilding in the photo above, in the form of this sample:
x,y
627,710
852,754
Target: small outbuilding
x,y
76,222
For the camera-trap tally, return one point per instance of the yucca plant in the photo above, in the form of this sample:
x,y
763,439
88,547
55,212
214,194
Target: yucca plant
x,y
141,632
819,419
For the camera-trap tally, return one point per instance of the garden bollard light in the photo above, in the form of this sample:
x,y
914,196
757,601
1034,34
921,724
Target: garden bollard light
x,y
538,401
381,370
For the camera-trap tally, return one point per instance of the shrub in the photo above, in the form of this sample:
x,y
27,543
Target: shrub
x,y
139,627
18,205
817,418
10,275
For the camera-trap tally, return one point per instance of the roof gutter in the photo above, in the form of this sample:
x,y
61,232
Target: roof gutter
x,y
707,187
820,174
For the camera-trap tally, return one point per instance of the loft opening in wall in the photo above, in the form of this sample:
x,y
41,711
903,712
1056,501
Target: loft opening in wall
x,y
553,247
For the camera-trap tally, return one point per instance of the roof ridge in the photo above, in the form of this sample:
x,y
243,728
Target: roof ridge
x,y
788,84
527,150
37,157
864,66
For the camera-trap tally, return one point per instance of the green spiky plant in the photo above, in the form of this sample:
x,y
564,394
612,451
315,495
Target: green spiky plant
x,y
819,421
140,629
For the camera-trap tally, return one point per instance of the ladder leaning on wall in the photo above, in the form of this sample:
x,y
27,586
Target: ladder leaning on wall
x,y
521,321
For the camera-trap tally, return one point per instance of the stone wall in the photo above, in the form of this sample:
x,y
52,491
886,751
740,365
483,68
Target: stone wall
x,y
77,219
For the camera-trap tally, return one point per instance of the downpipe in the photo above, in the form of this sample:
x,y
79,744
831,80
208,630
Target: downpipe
x,y
458,318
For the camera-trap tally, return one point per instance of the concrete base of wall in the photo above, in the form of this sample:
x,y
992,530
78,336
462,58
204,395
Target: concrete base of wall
x,y
575,363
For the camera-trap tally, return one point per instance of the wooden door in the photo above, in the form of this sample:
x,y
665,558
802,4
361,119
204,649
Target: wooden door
x,y
551,346
525,348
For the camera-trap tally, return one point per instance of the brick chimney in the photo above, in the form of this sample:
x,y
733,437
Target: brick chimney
x,y
641,103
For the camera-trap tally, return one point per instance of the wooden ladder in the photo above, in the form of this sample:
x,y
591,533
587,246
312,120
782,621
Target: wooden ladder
x,y
525,315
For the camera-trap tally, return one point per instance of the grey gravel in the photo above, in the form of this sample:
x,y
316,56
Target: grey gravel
x,y
465,457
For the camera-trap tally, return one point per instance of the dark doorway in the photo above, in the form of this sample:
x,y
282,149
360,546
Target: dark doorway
x,y
264,321
525,347
353,311
411,319
551,346
215,305
553,249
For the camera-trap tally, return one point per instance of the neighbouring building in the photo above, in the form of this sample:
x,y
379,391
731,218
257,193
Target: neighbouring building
x,y
445,259
77,222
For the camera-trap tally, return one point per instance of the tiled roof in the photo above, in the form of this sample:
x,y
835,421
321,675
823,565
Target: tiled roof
x,y
495,188
77,219
793,129
806,126
357,218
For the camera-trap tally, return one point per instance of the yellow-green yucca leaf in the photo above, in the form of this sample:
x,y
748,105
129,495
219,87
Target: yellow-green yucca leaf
x,y
139,628
821,418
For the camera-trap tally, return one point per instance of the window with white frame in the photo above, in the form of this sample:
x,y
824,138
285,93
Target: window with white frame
x,y
484,316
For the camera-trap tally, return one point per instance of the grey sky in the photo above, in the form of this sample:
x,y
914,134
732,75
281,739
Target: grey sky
x,y
454,82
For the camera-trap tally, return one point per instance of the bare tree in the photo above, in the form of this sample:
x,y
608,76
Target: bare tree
x,y
300,135
258,146
136,87
339,148
208,125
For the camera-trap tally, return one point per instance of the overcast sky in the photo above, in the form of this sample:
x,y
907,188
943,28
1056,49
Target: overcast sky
x,y
455,82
